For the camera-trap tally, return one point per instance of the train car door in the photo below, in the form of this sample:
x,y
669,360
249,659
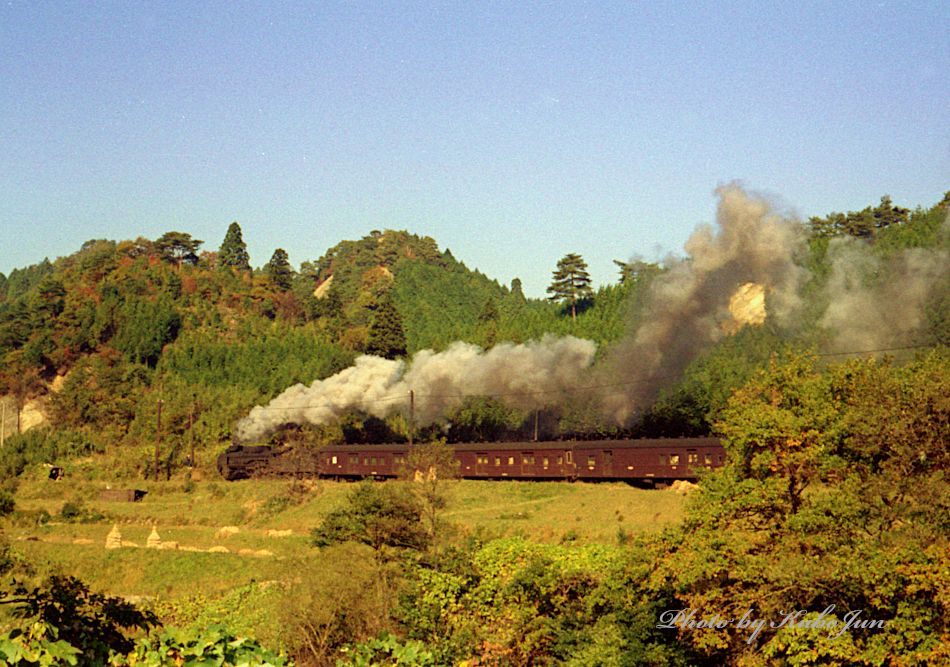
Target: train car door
x,y
527,464
481,464
608,463
569,469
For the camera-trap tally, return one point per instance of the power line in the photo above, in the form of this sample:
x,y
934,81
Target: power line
x,y
882,349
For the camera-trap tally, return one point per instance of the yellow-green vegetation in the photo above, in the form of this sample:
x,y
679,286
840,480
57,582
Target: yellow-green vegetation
x,y
835,495
196,586
544,511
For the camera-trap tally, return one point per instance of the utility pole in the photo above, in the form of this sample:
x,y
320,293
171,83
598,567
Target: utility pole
x,y
412,414
158,434
191,433
536,425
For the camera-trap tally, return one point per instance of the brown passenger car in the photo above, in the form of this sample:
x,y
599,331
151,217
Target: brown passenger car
x,y
657,460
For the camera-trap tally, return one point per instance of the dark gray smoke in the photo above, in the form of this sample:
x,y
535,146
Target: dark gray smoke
x,y
876,303
688,306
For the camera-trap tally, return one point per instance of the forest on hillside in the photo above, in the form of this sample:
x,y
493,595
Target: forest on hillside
x,y
834,501
96,339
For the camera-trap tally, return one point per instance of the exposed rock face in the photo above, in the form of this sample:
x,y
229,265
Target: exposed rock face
x,y
747,305
323,289
33,414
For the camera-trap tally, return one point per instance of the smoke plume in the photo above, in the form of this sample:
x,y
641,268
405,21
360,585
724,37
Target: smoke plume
x,y
687,308
878,302
536,374
731,272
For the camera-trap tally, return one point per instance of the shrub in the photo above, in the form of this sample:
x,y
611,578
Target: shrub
x,y
7,503
214,645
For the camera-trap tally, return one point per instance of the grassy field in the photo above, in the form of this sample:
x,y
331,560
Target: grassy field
x,y
242,586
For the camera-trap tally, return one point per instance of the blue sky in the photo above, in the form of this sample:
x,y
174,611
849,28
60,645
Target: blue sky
x,y
513,133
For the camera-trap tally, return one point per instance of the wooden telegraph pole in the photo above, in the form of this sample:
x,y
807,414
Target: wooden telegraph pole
x,y
412,414
191,433
158,435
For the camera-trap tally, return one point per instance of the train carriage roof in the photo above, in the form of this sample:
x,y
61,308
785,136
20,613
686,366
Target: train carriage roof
x,y
577,445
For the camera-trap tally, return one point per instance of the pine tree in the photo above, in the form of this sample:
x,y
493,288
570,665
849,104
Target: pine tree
x,y
178,247
571,282
387,338
278,269
233,251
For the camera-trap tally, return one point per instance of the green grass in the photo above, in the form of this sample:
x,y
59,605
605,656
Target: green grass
x,y
245,590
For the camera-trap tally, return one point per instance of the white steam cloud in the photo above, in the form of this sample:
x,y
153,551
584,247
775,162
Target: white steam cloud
x,y
536,374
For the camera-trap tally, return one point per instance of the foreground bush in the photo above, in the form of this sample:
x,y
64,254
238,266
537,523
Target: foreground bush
x,y
64,623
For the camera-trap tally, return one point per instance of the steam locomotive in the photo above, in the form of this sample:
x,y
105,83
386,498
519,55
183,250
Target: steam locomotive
x,y
654,461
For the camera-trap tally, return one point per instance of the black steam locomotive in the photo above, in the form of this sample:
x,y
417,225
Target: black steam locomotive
x,y
648,460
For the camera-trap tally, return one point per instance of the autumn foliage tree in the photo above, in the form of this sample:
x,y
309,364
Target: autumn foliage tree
x,y
835,495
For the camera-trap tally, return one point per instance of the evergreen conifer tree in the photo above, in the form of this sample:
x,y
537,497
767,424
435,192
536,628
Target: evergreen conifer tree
x,y
278,269
178,247
387,338
516,290
571,282
233,251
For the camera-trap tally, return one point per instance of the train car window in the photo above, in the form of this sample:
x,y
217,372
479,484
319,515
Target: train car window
x,y
481,459
497,460
674,459
560,460
527,459
569,457
333,460
692,457
720,458
708,459
591,462
545,461
354,459
398,460
511,460
365,460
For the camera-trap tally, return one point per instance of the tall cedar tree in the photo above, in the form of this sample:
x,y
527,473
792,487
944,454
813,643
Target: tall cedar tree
x,y
233,251
517,292
387,338
278,269
571,282
178,247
